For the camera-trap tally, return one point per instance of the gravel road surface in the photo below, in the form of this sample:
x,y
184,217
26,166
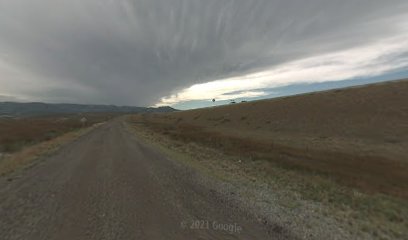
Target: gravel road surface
x,y
109,185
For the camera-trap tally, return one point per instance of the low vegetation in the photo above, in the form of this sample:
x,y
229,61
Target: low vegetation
x,y
23,140
344,149
17,133
364,211
372,174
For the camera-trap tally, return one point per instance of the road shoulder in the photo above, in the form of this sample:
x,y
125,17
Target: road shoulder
x,y
240,182
31,155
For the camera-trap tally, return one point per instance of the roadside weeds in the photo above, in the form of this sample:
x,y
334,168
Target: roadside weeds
x,y
310,203
28,156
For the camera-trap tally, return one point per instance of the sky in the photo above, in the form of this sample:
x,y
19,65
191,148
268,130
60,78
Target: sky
x,y
184,53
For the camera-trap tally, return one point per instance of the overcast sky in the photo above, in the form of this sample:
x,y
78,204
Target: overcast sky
x,y
155,52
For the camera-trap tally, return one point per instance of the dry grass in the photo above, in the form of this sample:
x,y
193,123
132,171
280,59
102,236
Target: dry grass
x,y
22,140
372,174
28,154
17,133
375,113
357,136
363,216
345,149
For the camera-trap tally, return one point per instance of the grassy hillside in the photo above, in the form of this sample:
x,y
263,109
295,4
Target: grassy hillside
x,y
357,136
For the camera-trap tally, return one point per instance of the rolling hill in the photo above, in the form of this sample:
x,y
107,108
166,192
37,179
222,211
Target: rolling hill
x,y
38,108
357,135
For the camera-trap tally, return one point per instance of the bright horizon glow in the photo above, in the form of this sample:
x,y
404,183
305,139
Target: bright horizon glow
x,y
185,53
373,60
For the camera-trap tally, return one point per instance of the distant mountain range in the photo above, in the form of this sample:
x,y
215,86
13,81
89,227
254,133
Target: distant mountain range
x,y
37,108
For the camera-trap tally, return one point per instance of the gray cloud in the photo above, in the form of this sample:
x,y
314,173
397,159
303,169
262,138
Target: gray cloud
x,y
137,51
5,98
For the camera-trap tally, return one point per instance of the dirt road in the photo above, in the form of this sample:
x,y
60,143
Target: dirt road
x,y
109,185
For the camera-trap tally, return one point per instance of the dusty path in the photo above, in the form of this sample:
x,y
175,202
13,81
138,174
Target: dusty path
x,y
108,185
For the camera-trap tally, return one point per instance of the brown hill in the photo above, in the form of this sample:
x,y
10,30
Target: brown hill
x,y
357,135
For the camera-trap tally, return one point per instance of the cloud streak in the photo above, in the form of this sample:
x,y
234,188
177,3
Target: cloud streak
x,y
138,52
372,60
